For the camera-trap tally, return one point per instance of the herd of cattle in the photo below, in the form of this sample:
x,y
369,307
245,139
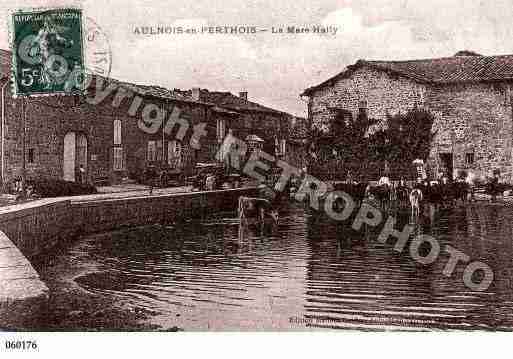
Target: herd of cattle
x,y
417,198
399,194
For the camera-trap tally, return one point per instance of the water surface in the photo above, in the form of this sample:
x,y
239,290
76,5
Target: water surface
x,y
306,274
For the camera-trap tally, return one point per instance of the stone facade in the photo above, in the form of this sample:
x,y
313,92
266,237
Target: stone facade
x,y
244,118
108,137
50,119
473,120
378,91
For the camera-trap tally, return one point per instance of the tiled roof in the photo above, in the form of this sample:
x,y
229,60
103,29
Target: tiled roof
x,y
219,109
230,101
463,67
158,92
143,90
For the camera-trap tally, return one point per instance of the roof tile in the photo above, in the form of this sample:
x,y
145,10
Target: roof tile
x,y
456,69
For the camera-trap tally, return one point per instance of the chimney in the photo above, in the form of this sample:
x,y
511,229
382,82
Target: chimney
x,y
196,93
467,53
243,95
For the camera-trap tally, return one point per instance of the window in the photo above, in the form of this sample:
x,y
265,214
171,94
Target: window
x,y
152,151
343,119
279,146
174,154
30,158
221,130
362,107
469,158
117,132
419,96
118,158
159,151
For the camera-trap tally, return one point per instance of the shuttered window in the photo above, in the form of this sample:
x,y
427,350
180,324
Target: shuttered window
x,y
221,130
159,150
117,132
118,158
152,151
174,154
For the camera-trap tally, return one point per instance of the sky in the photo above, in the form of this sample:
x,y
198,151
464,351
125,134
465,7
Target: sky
x,y
275,68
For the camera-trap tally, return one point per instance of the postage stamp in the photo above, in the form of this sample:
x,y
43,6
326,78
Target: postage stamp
x,y
48,54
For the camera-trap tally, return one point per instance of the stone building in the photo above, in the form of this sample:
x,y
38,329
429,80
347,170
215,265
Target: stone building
x,y
109,138
298,142
469,95
246,120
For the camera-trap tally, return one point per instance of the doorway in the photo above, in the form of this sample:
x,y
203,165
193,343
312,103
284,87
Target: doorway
x,y
75,154
68,165
81,157
446,164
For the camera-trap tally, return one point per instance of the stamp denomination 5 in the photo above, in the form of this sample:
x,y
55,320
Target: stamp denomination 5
x,y
47,51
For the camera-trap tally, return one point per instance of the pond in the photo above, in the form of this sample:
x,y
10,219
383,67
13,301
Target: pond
x,y
307,273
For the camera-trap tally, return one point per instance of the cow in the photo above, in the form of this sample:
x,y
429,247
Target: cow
x,y
415,198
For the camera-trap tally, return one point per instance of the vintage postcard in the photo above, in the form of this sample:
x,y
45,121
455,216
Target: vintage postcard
x,y
255,166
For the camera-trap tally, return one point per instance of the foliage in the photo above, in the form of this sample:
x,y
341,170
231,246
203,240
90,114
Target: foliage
x,y
406,138
352,146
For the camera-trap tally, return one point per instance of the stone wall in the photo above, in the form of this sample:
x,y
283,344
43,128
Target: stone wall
x,y
383,93
469,118
34,228
22,293
101,216
49,119
38,226
473,118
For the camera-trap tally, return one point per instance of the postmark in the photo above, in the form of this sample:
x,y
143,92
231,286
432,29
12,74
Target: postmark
x,y
48,51
97,50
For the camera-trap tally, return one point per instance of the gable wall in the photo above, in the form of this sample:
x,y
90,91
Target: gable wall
x,y
468,117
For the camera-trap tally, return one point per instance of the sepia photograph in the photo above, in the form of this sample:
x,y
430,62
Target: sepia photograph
x,y
255,166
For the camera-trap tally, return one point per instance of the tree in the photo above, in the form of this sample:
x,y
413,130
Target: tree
x,y
406,137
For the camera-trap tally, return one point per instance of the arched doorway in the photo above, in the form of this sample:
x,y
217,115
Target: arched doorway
x,y
81,151
75,154
68,165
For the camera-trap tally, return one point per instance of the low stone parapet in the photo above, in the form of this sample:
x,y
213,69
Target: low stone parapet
x,y
22,293
34,228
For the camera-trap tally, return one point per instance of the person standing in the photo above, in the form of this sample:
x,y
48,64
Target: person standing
x,y
494,187
471,182
210,182
82,174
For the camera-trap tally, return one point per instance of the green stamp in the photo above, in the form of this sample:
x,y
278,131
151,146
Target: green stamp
x,y
47,52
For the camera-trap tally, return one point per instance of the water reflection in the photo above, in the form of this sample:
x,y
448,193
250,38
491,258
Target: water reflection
x,y
201,277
